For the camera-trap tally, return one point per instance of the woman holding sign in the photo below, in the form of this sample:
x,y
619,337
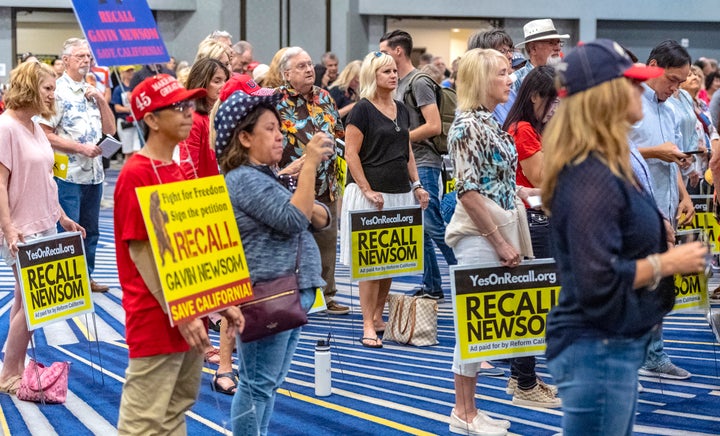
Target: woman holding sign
x,y
275,226
487,223
382,172
615,269
29,206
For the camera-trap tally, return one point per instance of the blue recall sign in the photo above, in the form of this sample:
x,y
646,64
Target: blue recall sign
x,y
121,32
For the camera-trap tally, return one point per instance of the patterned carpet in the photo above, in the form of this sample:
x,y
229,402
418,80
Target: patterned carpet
x,y
391,391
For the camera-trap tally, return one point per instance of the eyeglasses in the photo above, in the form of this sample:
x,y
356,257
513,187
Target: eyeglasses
x,y
506,51
180,106
304,66
554,42
82,56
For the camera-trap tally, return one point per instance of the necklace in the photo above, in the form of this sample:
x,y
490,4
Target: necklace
x,y
397,128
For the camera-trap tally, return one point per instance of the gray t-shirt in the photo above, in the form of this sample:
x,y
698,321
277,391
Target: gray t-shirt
x,y
424,91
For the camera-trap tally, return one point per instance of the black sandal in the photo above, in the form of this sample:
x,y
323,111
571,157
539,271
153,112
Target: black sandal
x,y
218,388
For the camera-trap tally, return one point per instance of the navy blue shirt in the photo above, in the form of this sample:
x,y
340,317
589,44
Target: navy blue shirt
x,y
600,225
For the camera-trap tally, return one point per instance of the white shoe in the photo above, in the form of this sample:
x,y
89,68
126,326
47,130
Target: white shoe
x,y
478,427
502,423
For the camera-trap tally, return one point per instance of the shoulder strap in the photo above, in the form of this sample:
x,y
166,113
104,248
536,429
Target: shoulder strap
x,y
409,97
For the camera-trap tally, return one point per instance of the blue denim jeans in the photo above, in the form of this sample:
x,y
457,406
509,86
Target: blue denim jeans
x,y
81,203
263,366
656,355
597,380
434,230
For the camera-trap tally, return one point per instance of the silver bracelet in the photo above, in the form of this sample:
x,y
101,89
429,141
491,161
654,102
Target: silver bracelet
x,y
654,260
415,185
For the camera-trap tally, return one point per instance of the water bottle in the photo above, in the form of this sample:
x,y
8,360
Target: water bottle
x,y
323,376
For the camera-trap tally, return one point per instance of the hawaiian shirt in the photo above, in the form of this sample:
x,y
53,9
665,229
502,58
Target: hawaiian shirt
x,y
79,119
300,120
484,157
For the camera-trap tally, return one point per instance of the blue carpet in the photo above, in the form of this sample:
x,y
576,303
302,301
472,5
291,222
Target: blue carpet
x,y
392,391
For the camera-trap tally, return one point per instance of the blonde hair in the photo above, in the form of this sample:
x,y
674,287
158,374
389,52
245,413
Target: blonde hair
x,y
211,48
591,121
475,71
351,71
370,66
24,88
273,78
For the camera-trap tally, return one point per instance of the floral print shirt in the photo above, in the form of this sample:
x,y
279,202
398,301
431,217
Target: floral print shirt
x,y
300,120
484,157
79,119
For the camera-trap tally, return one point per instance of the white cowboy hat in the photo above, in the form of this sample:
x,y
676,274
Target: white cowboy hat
x,y
538,30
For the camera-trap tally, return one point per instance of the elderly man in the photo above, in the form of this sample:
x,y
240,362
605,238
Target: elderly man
x,y
82,116
496,39
424,124
243,57
542,44
305,110
330,62
657,137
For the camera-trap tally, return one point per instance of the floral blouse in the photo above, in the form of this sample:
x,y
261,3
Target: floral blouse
x,y
300,120
484,157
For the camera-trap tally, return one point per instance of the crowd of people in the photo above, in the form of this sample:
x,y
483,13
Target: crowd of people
x,y
614,148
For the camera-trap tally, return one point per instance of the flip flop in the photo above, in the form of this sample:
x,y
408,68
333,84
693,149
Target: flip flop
x,y
375,345
11,386
218,388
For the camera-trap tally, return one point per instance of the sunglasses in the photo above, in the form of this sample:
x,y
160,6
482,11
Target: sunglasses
x,y
180,106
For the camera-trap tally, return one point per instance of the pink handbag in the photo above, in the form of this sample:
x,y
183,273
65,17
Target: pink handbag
x,y
51,387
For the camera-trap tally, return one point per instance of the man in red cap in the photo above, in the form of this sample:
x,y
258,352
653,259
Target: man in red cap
x,y
165,365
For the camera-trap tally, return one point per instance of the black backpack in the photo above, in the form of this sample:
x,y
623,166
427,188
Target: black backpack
x,y
446,102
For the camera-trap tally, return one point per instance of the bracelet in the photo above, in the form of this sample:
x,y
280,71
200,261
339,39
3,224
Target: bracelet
x,y
485,235
654,260
416,184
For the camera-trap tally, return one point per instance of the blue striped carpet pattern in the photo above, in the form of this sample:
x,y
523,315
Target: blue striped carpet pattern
x,y
390,391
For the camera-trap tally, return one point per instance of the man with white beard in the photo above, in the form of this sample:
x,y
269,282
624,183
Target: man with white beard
x,y
542,44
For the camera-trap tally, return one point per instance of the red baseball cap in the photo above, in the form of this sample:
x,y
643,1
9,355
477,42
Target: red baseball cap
x,y
160,91
244,83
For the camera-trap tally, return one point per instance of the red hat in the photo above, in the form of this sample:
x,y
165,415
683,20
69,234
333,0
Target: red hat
x,y
160,91
244,83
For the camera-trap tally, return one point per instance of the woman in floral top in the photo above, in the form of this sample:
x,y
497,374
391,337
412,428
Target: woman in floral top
x,y
485,161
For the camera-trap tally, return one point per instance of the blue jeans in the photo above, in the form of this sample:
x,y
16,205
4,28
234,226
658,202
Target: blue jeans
x,y
81,203
434,230
263,366
597,380
656,355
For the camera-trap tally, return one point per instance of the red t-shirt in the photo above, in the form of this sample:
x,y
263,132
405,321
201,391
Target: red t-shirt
x,y
197,158
147,327
527,142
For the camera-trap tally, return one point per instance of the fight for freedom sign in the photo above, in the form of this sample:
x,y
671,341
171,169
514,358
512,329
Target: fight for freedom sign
x,y
196,246
386,243
501,312
54,279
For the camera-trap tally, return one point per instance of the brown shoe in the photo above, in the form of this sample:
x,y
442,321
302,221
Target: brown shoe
x,y
97,287
335,309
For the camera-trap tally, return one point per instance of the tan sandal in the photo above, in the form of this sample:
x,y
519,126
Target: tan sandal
x,y
11,386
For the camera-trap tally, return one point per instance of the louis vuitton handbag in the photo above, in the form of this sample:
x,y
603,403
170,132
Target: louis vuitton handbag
x,y
412,320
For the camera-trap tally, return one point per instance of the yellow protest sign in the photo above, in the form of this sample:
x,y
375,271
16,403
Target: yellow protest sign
x,y
691,293
449,185
54,279
319,304
60,166
705,220
501,312
196,246
386,243
341,172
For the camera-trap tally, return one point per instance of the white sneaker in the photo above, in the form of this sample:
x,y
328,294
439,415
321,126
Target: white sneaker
x,y
478,427
502,423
